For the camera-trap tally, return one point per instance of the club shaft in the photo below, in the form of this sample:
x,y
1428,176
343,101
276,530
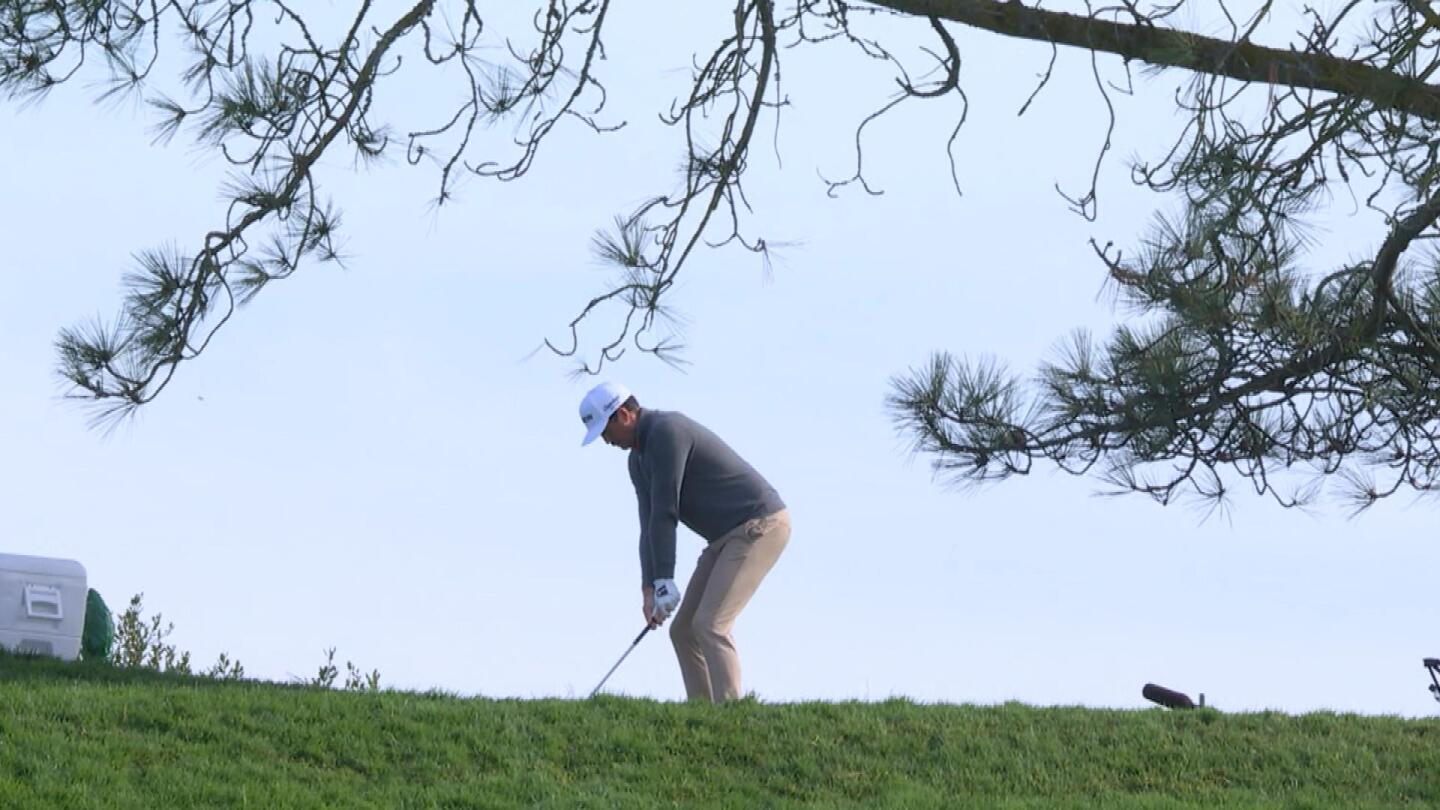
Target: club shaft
x,y
628,650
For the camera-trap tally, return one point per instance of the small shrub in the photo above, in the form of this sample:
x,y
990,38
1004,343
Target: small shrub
x,y
141,642
355,680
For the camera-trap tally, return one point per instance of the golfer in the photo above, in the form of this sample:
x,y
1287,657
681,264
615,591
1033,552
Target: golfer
x,y
684,473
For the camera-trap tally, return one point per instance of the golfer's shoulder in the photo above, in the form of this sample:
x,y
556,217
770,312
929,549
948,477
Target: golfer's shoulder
x,y
676,427
671,425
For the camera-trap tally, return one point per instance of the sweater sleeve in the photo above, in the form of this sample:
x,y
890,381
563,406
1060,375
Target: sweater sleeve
x,y
666,456
642,498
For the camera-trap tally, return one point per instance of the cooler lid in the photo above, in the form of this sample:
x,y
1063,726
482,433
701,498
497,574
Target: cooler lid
x,y
45,566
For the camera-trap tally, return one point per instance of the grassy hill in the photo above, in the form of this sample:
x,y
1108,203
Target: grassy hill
x,y
78,736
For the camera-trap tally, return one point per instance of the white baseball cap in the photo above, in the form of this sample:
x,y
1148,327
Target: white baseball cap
x,y
598,406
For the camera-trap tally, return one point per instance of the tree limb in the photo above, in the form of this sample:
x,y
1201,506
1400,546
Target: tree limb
x,y
1166,47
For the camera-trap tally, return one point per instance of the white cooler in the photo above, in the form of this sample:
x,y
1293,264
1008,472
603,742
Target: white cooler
x,y
42,605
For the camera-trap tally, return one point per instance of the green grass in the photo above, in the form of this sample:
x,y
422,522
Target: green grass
x,y
80,736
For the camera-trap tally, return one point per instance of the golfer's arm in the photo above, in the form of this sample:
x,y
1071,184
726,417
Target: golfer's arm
x,y
642,498
647,561
667,455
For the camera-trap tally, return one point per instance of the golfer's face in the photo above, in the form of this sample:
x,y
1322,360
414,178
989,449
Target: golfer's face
x,y
620,430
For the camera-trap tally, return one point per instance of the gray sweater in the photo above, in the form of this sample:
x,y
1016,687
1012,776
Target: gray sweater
x,y
683,472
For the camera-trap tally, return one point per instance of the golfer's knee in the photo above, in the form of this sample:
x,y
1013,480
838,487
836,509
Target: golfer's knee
x,y
682,634
708,632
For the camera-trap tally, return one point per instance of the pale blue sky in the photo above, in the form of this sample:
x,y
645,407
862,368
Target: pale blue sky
x,y
364,459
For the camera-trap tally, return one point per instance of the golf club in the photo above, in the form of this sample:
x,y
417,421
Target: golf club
x,y
633,644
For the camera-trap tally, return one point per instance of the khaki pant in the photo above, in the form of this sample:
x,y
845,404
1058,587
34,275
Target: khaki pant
x,y
726,576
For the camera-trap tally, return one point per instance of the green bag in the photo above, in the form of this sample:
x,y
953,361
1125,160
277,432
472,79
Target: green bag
x,y
99,634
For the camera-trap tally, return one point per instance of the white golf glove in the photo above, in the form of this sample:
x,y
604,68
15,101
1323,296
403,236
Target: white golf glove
x,y
667,598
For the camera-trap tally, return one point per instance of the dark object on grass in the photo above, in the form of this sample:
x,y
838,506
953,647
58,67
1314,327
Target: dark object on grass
x,y
98,635
1169,698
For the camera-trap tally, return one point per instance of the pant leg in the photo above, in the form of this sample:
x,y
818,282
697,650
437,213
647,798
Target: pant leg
x,y
743,559
682,632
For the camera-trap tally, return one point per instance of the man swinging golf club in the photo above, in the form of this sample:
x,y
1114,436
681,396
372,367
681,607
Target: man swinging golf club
x,y
684,473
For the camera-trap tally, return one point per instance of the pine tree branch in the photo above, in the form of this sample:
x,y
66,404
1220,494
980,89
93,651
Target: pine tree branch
x,y
1166,47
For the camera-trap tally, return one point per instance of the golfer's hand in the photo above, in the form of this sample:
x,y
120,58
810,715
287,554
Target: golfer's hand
x,y
666,597
648,607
